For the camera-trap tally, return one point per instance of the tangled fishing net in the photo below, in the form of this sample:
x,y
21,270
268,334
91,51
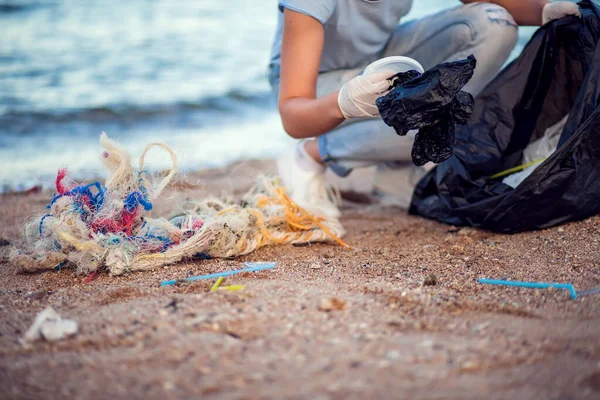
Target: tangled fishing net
x,y
108,227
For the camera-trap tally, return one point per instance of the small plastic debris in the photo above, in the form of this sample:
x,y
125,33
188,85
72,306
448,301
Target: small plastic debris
x,y
315,266
232,288
50,326
36,295
332,304
516,169
430,280
53,331
217,284
533,285
252,267
90,277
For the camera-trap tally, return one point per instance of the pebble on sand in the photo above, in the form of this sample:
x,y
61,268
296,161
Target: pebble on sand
x,y
332,304
430,280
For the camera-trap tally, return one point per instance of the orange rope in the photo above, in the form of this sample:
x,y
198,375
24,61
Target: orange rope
x,y
260,221
296,217
291,205
226,210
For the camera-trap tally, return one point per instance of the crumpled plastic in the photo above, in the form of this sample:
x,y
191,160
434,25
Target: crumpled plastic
x,y
433,103
538,150
50,326
558,73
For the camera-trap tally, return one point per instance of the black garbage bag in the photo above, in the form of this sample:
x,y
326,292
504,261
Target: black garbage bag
x,y
433,103
557,74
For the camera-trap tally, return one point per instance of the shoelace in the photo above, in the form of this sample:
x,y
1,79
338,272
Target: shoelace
x,y
326,194
334,194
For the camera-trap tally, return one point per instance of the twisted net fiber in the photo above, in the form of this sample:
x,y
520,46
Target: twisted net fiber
x,y
109,227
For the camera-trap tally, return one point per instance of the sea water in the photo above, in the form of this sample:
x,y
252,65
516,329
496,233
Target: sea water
x,y
191,74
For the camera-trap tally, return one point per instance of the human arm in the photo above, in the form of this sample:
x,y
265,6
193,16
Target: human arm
x,y
302,114
534,12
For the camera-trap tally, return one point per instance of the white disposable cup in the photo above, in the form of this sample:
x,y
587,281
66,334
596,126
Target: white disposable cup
x,y
394,64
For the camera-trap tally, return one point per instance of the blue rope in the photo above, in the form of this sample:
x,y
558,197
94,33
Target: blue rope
x,y
54,198
135,198
80,209
42,223
59,266
98,199
95,200
114,240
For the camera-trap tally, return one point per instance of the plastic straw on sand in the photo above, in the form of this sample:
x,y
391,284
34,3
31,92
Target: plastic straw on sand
x,y
252,267
535,285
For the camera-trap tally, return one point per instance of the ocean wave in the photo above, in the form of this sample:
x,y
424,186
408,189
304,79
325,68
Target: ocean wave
x,y
24,121
10,8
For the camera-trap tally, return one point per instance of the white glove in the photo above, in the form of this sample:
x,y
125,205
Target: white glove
x,y
357,97
558,10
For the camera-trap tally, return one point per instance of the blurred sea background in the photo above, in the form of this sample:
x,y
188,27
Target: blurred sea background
x,y
189,73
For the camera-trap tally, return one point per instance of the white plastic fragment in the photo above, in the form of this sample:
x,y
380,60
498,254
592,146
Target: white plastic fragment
x,y
50,326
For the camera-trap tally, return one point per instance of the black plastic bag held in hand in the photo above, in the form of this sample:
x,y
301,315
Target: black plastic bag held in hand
x,y
557,74
433,103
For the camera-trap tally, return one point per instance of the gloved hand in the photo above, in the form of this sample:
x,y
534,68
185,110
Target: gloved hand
x,y
357,97
558,10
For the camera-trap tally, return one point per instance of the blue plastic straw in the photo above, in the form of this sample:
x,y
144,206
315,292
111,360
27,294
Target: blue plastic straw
x,y
590,291
252,267
535,285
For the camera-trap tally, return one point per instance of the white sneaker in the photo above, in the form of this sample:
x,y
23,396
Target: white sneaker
x,y
308,188
394,184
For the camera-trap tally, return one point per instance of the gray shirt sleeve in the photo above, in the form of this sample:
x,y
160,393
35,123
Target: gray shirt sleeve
x,y
321,10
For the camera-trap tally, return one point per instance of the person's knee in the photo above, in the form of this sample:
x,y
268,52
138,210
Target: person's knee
x,y
495,34
494,25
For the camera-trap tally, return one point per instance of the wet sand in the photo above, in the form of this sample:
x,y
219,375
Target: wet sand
x,y
394,336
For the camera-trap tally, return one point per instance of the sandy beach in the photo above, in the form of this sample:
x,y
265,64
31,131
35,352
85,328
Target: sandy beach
x,y
393,336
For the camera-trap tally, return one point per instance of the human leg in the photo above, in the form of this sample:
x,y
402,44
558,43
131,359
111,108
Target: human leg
x,y
482,29
486,30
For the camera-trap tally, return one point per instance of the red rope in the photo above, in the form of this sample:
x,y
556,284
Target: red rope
x,y
60,188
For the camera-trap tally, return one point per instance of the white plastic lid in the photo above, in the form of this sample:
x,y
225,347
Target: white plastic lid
x,y
394,64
